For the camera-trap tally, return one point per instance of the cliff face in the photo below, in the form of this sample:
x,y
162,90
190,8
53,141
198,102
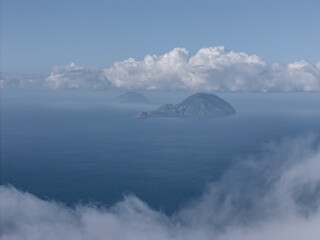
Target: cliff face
x,y
197,105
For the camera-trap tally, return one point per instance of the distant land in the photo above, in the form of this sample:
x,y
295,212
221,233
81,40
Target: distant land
x,y
131,98
196,105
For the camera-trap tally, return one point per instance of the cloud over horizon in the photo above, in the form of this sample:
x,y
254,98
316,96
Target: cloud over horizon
x,y
210,69
274,195
76,77
24,81
213,69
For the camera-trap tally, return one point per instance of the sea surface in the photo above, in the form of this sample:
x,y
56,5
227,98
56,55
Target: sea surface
x,y
79,147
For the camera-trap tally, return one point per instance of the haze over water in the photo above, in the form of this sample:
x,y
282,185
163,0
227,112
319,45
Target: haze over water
x,y
78,147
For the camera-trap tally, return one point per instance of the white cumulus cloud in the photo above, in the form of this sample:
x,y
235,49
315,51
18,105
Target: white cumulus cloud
x,y
76,77
212,69
24,81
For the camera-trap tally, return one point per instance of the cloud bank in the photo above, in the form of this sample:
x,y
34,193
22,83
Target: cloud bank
x,y
210,69
24,81
76,77
275,195
213,69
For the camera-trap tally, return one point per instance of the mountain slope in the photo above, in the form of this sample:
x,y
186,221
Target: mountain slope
x,y
197,105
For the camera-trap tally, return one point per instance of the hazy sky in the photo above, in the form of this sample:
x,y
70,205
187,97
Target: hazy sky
x,y
36,35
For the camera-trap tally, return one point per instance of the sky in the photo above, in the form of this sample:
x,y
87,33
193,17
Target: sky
x,y
37,35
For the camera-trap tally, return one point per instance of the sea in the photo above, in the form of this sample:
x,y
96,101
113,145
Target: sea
x,y
79,147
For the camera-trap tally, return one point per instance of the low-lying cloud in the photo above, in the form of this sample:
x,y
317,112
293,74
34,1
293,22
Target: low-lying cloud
x,y
76,77
24,81
210,69
213,69
275,195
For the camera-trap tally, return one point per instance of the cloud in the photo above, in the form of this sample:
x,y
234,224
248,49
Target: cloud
x,y
275,195
76,77
297,76
213,69
24,81
61,77
210,69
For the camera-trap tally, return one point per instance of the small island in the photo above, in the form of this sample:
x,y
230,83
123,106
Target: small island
x,y
196,105
131,98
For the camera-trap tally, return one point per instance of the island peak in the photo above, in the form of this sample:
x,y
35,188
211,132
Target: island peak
x,y
196,105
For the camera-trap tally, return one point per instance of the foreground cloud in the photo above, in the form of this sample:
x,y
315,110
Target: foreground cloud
x,y
274,196
210,69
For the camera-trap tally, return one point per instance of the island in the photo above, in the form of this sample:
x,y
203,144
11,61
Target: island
x,y
131,98
196,105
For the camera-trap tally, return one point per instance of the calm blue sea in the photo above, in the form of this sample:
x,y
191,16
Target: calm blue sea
x,y
77,147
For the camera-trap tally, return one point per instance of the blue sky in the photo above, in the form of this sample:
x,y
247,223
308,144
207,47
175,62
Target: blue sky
x,y
36,35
